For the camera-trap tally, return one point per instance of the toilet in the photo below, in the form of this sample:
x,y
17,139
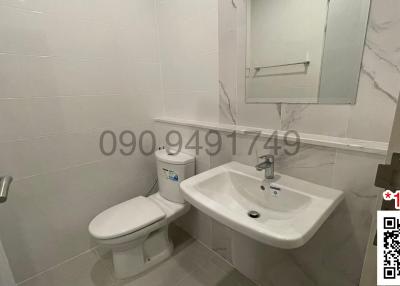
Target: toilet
x,y
137,230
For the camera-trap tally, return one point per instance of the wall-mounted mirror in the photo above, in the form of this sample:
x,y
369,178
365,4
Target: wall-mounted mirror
x,y
304,51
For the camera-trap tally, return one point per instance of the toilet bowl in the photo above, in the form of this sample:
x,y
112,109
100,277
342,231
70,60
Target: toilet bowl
x,y
137,230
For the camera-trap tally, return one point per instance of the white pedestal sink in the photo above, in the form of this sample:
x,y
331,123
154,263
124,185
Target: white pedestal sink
x,y
286,214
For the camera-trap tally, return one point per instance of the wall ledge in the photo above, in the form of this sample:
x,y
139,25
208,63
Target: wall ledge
x,y
372,147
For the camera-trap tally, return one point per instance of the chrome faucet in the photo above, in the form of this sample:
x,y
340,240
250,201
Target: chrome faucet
x,y
268,166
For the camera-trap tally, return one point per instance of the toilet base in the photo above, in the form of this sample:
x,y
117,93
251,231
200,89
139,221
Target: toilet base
x,y
141,254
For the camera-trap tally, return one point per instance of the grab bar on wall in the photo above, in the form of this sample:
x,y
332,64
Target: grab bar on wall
x,y
306,63
5,183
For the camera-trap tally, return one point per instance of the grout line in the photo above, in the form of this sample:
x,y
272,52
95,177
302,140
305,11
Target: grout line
x,y
226,261
64,169
185,92
334,169
188,274
69,96
51,12
104,265
22,9
25,55
69,57
213,252
57,265
163,91
94,131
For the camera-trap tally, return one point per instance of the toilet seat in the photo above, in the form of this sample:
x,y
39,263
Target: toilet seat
x,y
126,218
136,231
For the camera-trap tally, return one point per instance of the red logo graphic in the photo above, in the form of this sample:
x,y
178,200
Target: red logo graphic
x,y
389,195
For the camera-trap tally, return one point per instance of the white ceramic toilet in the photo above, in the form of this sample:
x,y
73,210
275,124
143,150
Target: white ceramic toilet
x,y
137,230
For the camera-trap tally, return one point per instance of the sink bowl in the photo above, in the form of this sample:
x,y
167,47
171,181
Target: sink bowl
x,y
284,212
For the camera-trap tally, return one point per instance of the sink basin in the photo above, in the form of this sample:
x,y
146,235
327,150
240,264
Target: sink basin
x,y
285,212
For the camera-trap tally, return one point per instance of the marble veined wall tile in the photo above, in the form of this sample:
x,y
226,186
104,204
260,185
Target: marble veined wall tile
x,y
227,67
371,118
222,240
330,120
198,225
378,90
311,163
225,154
335,255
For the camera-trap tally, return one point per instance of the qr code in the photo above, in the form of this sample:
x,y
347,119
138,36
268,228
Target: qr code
x,y
388,231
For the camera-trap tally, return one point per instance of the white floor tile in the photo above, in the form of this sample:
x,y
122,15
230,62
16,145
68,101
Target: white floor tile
x,y
192,264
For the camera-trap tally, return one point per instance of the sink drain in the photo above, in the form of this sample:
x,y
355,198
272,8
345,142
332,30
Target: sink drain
x,y
253,214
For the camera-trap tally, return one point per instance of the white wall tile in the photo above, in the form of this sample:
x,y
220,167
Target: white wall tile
x,y
352,172
310,163
222,240
47,116
146,77
197,72
189,137
379,85
189,56
10,76
30,5
372,117
244,153
72,197
258,115
192,105
19,76
335,254
13,153
68,71
76,76
198,225
78,38
15,119
225,154
228,68
22,31
316,119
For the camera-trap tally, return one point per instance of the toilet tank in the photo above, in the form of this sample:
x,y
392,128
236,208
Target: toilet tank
x,y
172,170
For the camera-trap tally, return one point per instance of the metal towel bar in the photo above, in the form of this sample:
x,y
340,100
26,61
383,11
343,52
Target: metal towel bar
x,y
5,183
306,63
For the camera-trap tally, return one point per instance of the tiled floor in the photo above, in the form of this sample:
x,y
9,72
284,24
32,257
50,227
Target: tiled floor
x,y
191,265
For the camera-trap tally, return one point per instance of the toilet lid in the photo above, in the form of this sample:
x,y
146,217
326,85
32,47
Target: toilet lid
x,y
125,218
